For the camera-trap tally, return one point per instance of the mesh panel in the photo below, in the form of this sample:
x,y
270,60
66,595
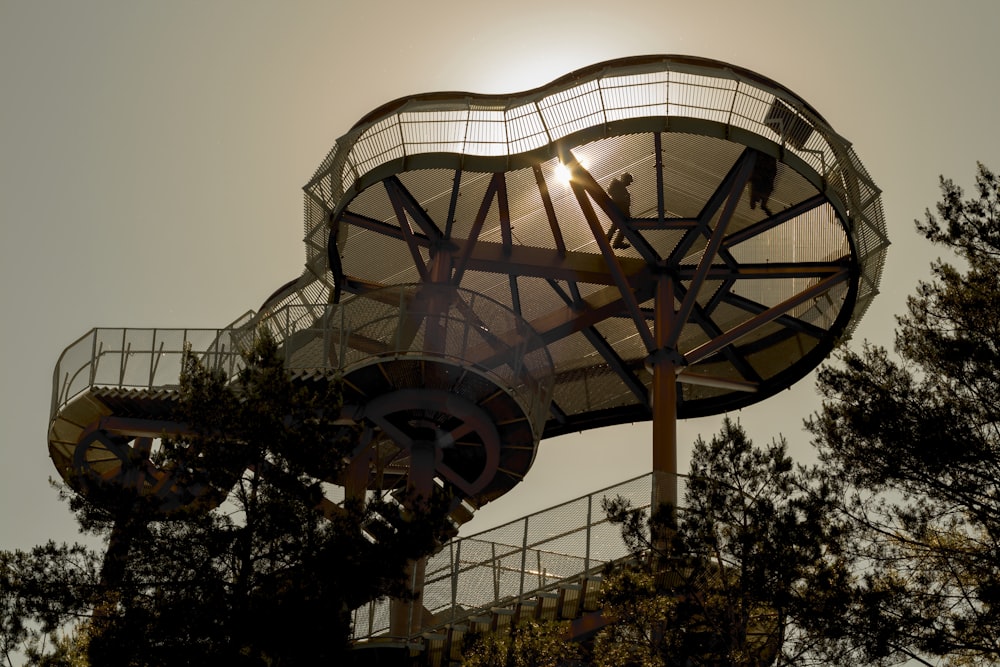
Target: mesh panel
x,y
693,168
529,222
775,358
490,285
472,191
470,329
374,203
469,576
432,188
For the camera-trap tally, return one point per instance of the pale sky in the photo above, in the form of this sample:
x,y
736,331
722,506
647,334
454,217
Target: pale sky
x,y
152,157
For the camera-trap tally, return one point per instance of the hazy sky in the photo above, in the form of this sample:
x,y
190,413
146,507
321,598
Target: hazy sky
x,y
152,157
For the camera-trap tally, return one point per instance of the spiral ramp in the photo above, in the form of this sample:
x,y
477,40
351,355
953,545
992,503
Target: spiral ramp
x,y
450,391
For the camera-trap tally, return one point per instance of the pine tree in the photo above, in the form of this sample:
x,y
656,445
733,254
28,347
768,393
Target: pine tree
x,y
915,437
739,575
269,576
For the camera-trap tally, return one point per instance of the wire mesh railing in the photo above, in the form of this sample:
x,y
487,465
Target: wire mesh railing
x,y
627,90
468,329
517,560
138,358
665,93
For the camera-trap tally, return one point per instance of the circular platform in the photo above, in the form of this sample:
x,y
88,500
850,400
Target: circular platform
x,y
761,217
429,371
648,224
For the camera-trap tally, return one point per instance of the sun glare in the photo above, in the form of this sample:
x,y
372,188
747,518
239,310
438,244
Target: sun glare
x,y
563,173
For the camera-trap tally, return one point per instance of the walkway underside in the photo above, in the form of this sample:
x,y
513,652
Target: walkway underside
x,y
761,273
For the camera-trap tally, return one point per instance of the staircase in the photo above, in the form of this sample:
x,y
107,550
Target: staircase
x,y
546,566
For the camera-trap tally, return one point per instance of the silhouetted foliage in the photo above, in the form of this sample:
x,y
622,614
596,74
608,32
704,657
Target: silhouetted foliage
x,y
915,437
269,577
40,597
738,576
530,644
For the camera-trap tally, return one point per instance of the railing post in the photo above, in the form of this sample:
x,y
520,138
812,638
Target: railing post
x,y
343,337
456,553
524,556
496,572
586,555
399,324
121,364
327,316
93,360
152,358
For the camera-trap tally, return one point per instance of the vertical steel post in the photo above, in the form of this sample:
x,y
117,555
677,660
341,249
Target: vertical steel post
x,y
664,399
406,615
590,523
93,360
456,556
524,557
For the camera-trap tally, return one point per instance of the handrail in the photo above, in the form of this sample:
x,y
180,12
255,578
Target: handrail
x,y
489,133
473,331
517,560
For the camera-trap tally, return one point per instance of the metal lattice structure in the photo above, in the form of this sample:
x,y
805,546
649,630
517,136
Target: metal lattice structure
x,y
762,292
649,238
535,558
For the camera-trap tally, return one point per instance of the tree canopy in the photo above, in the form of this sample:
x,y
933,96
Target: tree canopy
x,y
915,438
268,577
736,576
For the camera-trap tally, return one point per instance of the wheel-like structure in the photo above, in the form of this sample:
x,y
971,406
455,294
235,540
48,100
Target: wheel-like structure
x,y
445,385
430,419
113,458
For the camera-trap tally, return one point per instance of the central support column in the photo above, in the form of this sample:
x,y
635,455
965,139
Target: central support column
x,y
665,366
406,616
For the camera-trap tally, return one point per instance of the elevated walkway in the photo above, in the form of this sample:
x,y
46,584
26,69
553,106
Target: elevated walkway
x,y
546,566
443,384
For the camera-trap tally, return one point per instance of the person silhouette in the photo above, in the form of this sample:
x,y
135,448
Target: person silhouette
x,y
618,191
762,177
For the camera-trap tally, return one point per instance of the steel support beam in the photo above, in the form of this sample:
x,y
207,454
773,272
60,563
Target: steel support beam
x,y
769,315
617,273
664,399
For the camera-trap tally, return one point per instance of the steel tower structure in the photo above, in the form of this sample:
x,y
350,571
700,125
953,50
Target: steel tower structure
x,y
651,238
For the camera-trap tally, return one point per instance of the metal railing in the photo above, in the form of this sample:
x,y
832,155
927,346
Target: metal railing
x,y
465,328
517,560
139,359
682,94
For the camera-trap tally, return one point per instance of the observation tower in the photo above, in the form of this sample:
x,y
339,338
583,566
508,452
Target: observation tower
x,y
651,238
753,242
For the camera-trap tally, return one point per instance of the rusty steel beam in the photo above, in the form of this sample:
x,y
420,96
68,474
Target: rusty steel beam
x,y
778,218
550,211
617,273
772,270
399,207
708,212
697,279
462,254
769,315
550,264
398,193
